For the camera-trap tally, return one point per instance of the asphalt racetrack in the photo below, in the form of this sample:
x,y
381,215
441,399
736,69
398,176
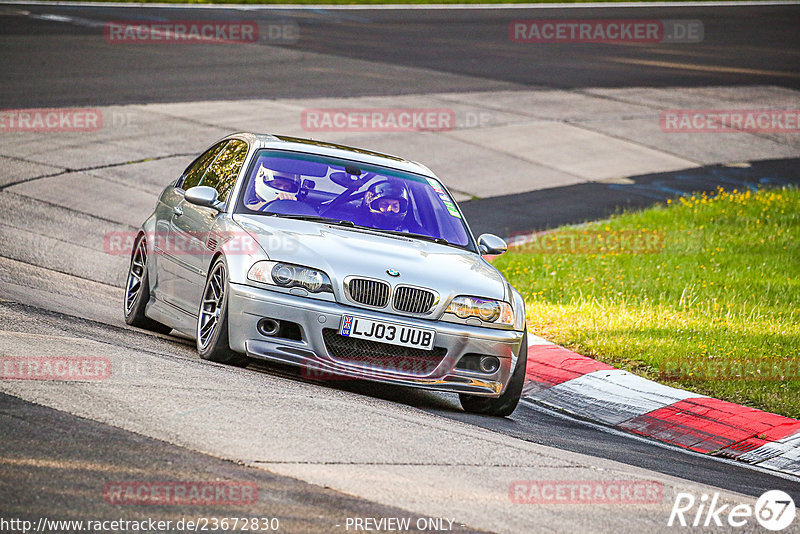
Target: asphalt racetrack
x,y
51,63
321,454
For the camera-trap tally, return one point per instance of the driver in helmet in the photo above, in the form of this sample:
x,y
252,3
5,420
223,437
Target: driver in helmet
x,y
386,203
273,185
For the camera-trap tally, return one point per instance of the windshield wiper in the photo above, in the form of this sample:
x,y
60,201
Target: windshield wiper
x,y
424,237
314,218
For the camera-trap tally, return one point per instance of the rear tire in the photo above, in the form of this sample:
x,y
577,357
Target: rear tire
x,y
505,404
212,319
137,291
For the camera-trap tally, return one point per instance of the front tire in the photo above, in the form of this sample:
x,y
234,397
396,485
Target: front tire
x,y
212,319
137,291
505,404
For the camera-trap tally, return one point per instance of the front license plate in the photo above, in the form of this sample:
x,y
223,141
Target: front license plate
x,y
384,332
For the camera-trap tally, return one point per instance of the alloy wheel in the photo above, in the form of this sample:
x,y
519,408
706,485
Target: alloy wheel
x,y
211,308
135,275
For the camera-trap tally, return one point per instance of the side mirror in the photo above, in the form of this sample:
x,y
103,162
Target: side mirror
x,y
491,244
202,195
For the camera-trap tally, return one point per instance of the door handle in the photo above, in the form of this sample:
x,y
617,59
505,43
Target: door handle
x,y
178,211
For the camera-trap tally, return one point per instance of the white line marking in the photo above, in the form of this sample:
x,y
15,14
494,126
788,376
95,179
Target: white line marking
x,y
69,20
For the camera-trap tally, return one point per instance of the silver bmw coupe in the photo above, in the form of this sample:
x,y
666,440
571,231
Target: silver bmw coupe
x,y
345,262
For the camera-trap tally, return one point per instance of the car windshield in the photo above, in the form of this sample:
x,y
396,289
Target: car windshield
x,y
311,187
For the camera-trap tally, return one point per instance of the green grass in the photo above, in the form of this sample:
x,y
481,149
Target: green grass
x,y
722,288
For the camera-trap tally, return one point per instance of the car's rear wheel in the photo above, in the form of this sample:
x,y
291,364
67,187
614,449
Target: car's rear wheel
x,y
212,319
505,404
137,291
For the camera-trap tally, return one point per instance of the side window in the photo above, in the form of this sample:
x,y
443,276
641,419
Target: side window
x,y
222,173
193,174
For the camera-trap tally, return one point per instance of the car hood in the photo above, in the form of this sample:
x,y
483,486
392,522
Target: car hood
x,y
342,252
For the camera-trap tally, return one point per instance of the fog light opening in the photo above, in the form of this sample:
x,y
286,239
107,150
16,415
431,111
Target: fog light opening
x,y
268,327
489,364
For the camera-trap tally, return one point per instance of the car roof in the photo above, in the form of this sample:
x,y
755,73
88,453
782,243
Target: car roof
x,y
298,144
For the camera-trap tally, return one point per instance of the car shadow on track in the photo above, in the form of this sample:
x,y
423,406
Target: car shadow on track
x,y
414,397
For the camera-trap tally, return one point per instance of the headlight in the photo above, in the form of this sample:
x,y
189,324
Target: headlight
x,y
289,275
487,310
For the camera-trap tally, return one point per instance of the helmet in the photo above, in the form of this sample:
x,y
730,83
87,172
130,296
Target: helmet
x,y
269,184
387,203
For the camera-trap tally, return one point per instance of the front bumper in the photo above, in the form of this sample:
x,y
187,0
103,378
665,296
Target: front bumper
x,y
247,305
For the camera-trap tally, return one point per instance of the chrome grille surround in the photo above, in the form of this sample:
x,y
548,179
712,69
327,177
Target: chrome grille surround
x,y
417,300
367,291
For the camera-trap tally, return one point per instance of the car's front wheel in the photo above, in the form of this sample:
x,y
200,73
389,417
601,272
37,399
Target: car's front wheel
x,y
212,319
505,404
137,291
